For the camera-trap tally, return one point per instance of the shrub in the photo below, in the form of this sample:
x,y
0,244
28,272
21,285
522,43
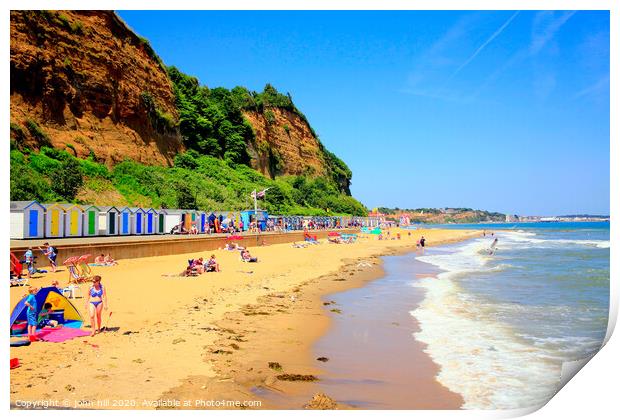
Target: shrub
x,y
38,133
68,179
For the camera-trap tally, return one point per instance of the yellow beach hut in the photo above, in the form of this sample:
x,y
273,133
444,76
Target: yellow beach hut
x,y
74,218
54,221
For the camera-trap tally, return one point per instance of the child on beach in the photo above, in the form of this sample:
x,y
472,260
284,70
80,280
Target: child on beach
x,y
29,261
51,253
31,313
44,317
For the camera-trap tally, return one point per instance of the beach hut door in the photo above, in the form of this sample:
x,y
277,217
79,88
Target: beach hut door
x,y
138,222
91,222
161,222
33,225
149,222
54,224
125,222
112,223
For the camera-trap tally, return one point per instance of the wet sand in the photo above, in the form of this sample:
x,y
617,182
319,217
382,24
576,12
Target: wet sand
x,y
374,361
203,338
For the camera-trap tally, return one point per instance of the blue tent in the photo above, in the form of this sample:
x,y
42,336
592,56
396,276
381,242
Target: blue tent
x,y
58,301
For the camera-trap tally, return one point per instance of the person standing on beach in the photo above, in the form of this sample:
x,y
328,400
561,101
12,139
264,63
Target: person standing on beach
x,y
422,241
97,301
51,253
29,260
31,313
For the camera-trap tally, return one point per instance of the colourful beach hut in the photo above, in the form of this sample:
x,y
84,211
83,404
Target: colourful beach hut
x,y
150,221
125,220
74,218
62,310
108,220
27,220
54,221
90,224
138,220
161,221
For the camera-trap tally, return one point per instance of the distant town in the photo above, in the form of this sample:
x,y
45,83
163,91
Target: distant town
x,y
468,215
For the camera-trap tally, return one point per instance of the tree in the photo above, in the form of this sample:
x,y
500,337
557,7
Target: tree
x,y
68,179
185,197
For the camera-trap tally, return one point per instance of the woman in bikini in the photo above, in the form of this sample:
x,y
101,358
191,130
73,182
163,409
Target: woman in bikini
x,y
97,300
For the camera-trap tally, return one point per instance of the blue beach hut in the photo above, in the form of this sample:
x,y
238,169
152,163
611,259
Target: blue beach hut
x,y
124,221
137,223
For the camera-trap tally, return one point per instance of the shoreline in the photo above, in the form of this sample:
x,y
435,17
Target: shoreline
x,y
250,375
164,328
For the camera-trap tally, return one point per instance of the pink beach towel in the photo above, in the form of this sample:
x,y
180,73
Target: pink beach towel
x,y
61,334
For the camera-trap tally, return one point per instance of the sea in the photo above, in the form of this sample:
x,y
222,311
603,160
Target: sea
x,y
500,324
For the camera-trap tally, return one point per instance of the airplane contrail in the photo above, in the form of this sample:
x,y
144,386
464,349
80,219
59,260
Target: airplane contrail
x,y
484,44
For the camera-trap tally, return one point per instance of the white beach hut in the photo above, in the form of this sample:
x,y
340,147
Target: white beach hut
x,y
172,218
54,220
27,220
108,220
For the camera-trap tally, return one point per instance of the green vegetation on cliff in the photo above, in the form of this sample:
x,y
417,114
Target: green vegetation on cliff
x,y
196,181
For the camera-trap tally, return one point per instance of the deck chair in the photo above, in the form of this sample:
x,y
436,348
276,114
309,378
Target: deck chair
x,y
83,267
16,271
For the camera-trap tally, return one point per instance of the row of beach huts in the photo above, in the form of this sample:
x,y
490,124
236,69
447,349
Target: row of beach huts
x,y
33,220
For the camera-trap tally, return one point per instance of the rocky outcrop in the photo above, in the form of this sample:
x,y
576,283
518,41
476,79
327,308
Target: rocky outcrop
x,y
284,144
84,81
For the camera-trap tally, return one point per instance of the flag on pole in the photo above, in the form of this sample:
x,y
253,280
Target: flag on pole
x,y
260,194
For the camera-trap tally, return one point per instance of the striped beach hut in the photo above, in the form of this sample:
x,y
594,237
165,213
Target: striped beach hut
x,y
27,220
90,224
108,220
139,217
74,218
125,220
54,220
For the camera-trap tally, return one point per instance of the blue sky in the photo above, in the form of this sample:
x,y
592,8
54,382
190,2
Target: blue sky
x,y
505,111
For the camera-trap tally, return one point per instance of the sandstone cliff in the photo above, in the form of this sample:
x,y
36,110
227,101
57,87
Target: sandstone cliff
x,y
83,80
284,144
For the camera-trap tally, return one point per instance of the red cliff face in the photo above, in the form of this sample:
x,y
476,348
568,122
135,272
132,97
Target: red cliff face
x,y
284,144
82,80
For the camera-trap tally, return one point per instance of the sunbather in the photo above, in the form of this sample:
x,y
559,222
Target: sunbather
x,y
246,257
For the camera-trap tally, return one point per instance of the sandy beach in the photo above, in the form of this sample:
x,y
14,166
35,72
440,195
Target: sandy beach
x,y
211,337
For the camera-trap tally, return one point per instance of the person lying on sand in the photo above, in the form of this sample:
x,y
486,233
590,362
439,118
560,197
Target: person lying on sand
x,y
109,260
100,259
246,257
296,245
